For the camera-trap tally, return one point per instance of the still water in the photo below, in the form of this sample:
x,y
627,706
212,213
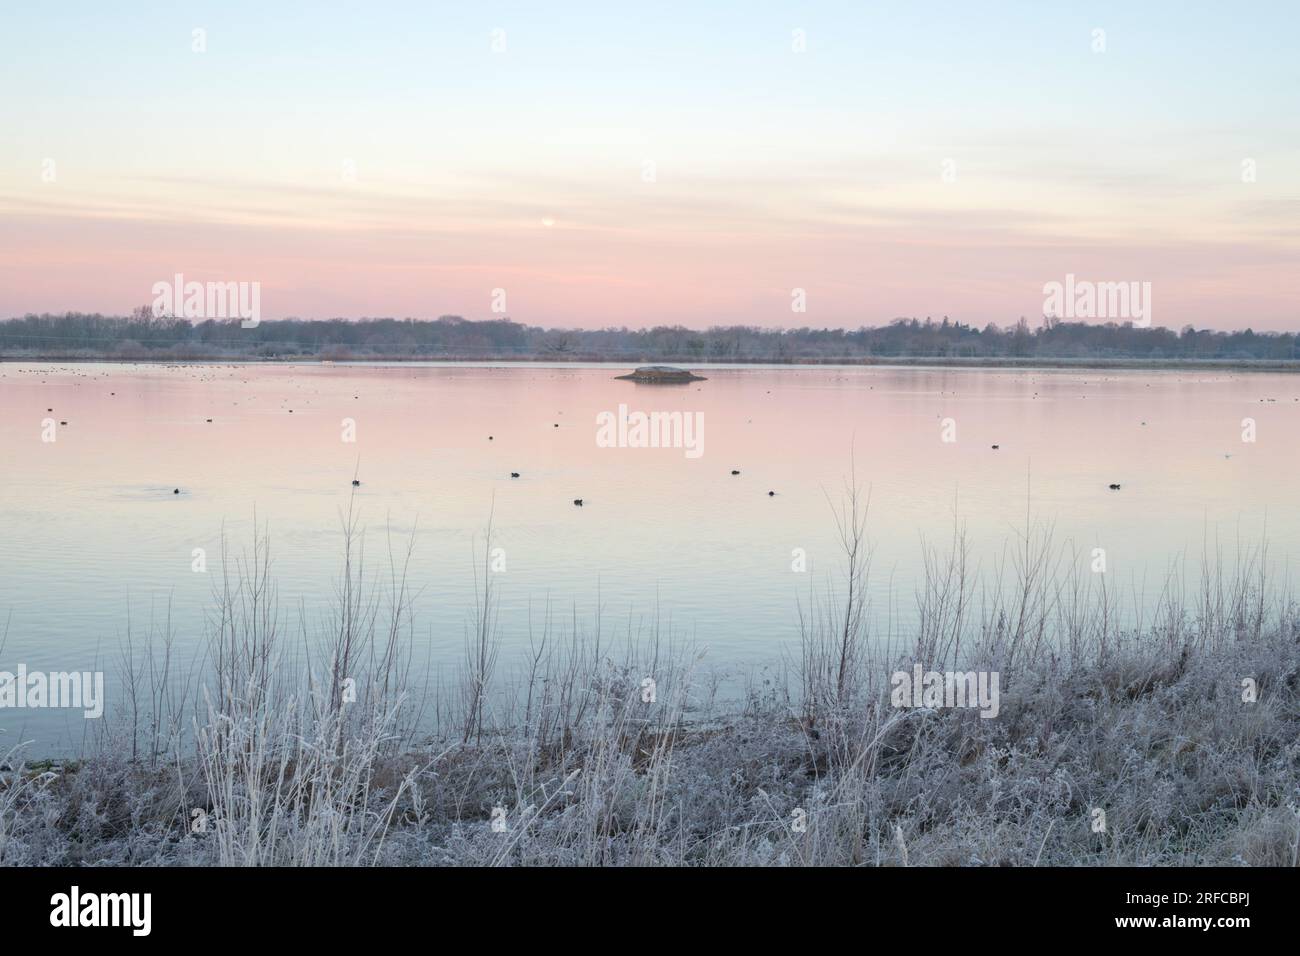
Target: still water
x,y
90,525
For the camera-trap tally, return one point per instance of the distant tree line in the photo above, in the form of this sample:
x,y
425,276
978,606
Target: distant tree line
x,y
145,336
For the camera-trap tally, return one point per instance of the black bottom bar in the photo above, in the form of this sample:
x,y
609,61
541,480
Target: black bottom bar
x,y
335,906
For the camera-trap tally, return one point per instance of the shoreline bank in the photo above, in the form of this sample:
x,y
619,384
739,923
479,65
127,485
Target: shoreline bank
x,y
1100,364
1140,758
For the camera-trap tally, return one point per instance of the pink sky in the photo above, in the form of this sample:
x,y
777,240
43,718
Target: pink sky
x,y
693,253
692,169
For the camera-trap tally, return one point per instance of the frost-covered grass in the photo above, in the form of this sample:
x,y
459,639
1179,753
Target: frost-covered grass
x,y
267,760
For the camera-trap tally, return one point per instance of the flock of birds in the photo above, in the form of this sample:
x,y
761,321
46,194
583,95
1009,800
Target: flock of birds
x,y
578,502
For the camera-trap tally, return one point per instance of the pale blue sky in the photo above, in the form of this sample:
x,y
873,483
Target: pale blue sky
x,y
178,160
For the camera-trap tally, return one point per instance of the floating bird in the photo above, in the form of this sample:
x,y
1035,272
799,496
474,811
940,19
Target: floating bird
x,y
734,472
578,502
995,447
1114,487
514,474
771,494
356,483
176,491
489,437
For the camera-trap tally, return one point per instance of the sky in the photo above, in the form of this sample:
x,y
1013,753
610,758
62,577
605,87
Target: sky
x,y
698,163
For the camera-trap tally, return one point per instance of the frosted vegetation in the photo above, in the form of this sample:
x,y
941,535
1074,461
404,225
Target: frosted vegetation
x,y
259,755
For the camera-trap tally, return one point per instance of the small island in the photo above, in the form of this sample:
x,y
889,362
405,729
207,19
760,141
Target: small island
x,y
662,375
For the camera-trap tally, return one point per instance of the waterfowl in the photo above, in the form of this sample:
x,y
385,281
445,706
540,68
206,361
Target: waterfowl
x,y
1114,487
176,491
514,474
995,447
356,483
771,494
578,502
734,472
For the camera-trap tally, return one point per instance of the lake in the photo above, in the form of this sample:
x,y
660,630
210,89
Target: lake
x,y
92,526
